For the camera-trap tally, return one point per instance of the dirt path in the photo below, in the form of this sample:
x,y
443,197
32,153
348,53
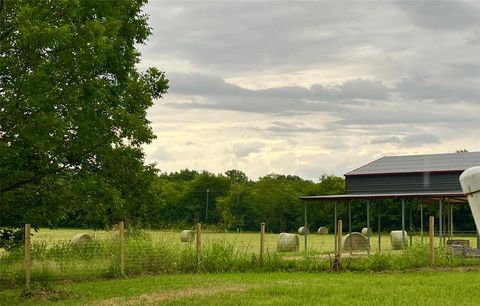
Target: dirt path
x,y
163,296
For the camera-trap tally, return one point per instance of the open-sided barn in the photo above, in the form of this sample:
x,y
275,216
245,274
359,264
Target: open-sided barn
x,y
427,178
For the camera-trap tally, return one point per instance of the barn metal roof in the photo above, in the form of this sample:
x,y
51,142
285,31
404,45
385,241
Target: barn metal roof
x,y
447,162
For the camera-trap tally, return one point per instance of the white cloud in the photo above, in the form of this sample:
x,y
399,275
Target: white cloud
x,y
308,88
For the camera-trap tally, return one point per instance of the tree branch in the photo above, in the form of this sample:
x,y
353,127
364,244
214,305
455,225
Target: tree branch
x,y
38,177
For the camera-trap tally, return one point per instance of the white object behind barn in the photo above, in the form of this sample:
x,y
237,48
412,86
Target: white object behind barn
x,y
470,181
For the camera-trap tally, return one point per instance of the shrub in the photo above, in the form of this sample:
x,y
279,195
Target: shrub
x,y
11,238
137,233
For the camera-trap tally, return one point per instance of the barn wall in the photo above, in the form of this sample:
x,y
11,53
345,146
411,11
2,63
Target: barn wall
x,y
403,183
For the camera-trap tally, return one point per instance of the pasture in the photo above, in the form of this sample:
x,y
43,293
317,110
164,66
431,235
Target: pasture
x,y
242,241
54,258
159,269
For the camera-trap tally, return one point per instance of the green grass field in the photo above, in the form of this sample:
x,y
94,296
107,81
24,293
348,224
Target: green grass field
x,y
248,242
55,259
89,275
411,288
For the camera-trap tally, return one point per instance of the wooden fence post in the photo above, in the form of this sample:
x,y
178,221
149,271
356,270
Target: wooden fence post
x,y
262,241
431,228
198,239
339,239
28,252
121,234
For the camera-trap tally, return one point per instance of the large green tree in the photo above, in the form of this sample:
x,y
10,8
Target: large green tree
x,y
72,105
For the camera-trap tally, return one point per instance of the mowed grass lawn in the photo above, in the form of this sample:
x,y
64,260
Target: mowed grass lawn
x,y
410,288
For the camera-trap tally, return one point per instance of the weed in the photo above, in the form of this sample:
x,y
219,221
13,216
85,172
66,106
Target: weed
x,y
45,292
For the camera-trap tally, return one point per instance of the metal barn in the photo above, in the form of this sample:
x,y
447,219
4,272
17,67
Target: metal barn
x,y
428,178
411,174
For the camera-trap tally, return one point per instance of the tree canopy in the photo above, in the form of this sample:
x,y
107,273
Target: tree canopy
x,y
72,105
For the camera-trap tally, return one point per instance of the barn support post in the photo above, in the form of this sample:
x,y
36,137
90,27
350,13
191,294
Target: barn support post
x,y
421,222
305,229
368,226
350,224
335,226
350,217
431,229
379,227
450,218
445,221
403,223
440,219
410,222
339,238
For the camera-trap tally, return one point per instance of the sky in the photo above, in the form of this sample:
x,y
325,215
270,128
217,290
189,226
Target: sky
x,y
311,87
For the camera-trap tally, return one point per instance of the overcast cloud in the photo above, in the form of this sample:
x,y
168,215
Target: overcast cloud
x,y
313,87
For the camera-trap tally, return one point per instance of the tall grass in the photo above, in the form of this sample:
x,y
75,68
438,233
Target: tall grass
x,y
414,257
145,255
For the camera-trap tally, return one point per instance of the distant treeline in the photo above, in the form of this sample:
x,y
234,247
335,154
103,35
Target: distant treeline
x,y
231,201
228,201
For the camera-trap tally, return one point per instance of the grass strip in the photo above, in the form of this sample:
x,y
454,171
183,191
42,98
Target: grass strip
x,y
351,288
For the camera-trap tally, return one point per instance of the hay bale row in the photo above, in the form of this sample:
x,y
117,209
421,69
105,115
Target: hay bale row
x,y
322,230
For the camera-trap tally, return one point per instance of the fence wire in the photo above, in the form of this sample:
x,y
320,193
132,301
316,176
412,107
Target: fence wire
x,y
159,252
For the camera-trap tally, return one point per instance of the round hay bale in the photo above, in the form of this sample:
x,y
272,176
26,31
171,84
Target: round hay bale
x,y
355,242
302,230
288,243
81,239
187,236
396,240
322,230
366,231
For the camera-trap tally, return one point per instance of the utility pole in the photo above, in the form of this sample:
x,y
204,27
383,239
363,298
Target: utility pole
x,y
206,207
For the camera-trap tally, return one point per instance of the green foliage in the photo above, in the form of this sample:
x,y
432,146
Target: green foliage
x,y
237,176
73,111
136,233
11,238
235,202
233,207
